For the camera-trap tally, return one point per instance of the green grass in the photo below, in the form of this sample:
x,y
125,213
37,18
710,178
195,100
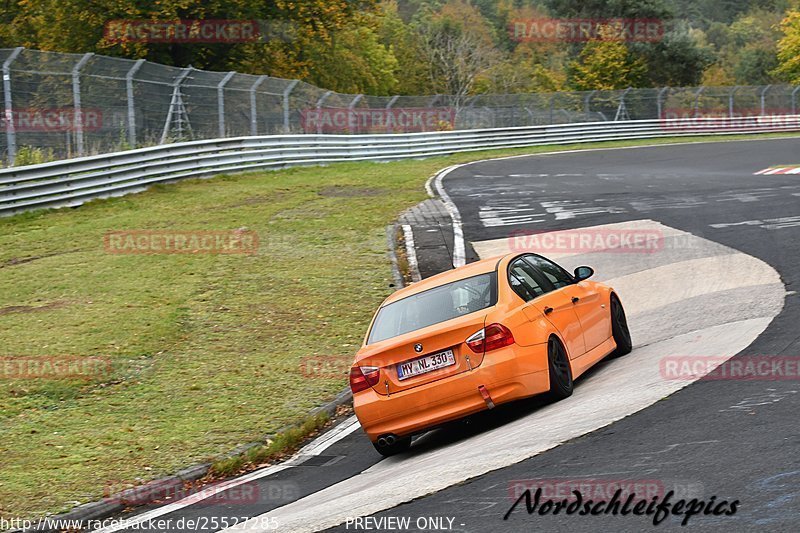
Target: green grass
x,y
282,444
208,352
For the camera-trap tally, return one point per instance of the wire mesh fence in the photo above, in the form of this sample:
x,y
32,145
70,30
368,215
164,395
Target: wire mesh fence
x,y
67,105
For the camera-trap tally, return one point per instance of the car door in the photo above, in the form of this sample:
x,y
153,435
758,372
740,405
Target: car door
x,y
554,305
586,300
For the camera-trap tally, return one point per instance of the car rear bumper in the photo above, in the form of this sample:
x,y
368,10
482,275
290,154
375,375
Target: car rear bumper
x,y
508,374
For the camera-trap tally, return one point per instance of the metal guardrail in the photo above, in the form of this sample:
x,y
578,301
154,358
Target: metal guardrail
x,y
75,181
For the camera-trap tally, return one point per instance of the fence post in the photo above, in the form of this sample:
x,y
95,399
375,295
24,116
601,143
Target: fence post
x,y
131,106
763,99
587,103
794,100
352,106
76,96
11,133
660,101
355,101
221,101
622,109
286,93
697,101
731,96
319,107
175,102
253,110
392,101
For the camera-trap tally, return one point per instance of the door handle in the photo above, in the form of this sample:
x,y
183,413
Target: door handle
x,y
548,310
575,299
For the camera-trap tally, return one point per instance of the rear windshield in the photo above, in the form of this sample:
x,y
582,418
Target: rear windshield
x,y
434,305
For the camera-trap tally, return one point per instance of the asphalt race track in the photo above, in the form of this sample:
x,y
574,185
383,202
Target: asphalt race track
x,y
722,283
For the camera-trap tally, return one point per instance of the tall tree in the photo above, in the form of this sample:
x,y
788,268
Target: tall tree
x,y
78,26
789,49
745,51
678,59
404,41
458,42
605,63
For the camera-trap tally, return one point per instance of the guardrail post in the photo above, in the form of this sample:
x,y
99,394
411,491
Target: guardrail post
x,y
286,93
11,132
660,101
763,99
731,96
76,97
794,100
221,101
131,106
253,110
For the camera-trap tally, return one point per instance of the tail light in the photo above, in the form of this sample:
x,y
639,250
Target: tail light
x,y
490,338
363,377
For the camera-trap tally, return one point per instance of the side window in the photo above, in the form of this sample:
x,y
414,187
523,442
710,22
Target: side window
x,y
554,273
522,279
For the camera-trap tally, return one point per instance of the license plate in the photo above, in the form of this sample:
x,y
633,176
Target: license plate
x,y
425,364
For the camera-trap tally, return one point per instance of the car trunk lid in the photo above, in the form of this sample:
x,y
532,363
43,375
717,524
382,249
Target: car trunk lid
x,y
424,350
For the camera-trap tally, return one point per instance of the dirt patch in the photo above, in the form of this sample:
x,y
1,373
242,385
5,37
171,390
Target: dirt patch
x,y
257,200
14,261
32,308
338,191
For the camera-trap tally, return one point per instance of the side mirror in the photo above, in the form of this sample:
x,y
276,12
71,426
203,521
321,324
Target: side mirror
x,y
583,272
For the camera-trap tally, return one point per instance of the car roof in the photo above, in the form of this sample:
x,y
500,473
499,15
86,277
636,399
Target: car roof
x,y
467,271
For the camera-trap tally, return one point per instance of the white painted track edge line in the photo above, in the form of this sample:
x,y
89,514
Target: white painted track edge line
x,y
317,446
459,247
411,252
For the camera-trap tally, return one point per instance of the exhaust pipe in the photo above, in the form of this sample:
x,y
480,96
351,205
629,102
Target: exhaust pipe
x,y
387,440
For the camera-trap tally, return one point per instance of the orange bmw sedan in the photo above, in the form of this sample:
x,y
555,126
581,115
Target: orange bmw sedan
x,y
477,336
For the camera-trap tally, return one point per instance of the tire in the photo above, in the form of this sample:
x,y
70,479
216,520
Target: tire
x,y
400,445
619,328
559,369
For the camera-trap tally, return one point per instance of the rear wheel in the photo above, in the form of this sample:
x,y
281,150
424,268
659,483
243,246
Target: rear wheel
x,y
619,328
392,445
559,369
